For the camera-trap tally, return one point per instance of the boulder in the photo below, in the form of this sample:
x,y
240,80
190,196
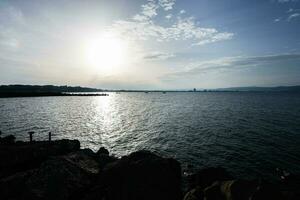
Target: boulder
x,y
60,177
205,177
235,190
104,159
7,140
103,151
22,156
142,175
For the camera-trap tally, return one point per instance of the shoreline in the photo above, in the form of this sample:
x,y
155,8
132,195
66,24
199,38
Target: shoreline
x,y
28,170
48,94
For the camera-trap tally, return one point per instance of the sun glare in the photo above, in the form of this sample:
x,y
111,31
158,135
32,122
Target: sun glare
x,y
107,54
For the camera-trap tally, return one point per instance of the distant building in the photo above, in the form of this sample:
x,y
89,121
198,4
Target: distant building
x,y
195,90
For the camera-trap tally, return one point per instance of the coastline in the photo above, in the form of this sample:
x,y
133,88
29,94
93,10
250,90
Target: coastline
x,y
60,169
48,94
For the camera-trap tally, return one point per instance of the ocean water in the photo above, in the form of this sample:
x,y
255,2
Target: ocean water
x,y
248,133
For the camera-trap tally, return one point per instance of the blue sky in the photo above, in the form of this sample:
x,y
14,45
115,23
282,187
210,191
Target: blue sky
x,y
154,44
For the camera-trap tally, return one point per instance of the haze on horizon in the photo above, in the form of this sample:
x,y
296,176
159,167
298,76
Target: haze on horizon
x,y
150,44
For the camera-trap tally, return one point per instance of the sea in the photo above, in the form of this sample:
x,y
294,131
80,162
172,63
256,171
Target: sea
x,y
248,133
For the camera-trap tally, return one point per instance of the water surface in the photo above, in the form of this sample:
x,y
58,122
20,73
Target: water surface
x,y
248,133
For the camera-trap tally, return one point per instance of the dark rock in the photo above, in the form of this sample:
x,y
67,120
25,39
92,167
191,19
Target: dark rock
x,y
95,193
194,194
14,187
84,160
103,160
235,190
205,177
102,151
22,156
142,175
62,177
7,140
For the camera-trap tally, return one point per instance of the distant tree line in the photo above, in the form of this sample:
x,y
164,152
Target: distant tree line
x,y
44,89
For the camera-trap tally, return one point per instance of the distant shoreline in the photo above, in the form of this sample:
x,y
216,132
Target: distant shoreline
x,y
7,91
48,94
87,94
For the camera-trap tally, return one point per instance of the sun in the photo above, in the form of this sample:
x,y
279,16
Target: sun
x,y
107,54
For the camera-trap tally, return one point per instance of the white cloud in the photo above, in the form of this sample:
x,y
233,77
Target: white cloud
x,y
277,20
158,56
293,16
11,19
182,12
167,4
143,26
149,9
169,16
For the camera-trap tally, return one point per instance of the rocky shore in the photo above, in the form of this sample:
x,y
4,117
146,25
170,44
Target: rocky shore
x,y
61,170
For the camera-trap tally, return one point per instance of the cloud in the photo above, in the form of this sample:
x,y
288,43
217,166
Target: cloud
x,y
11,18
149,9
277,20
169,16
227,63
293,16
158,56
286,1
182,12
143,26
167,4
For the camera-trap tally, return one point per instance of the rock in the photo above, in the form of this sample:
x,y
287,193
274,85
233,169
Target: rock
x,y
22,156
205,177
61,177
83,159
194,194
104,159
235,190
7,140
95,193
142,175
102,151
14,187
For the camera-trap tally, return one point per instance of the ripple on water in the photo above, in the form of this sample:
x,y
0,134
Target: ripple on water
x,y
249,133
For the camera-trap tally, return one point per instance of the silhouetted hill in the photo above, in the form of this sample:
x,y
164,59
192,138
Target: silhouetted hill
x,y
44,89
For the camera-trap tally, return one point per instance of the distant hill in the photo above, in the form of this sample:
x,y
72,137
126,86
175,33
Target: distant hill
x,y
262,89
22,89
37,90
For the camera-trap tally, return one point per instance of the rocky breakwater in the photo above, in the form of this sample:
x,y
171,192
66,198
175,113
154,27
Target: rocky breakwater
x,y
60,170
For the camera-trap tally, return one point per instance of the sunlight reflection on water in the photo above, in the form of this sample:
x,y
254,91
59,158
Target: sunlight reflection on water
x,y
253,131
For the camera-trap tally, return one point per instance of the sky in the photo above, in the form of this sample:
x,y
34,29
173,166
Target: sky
x,y
150,44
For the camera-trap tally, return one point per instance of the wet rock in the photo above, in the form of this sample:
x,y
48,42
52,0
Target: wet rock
x,y
22,156
142,175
